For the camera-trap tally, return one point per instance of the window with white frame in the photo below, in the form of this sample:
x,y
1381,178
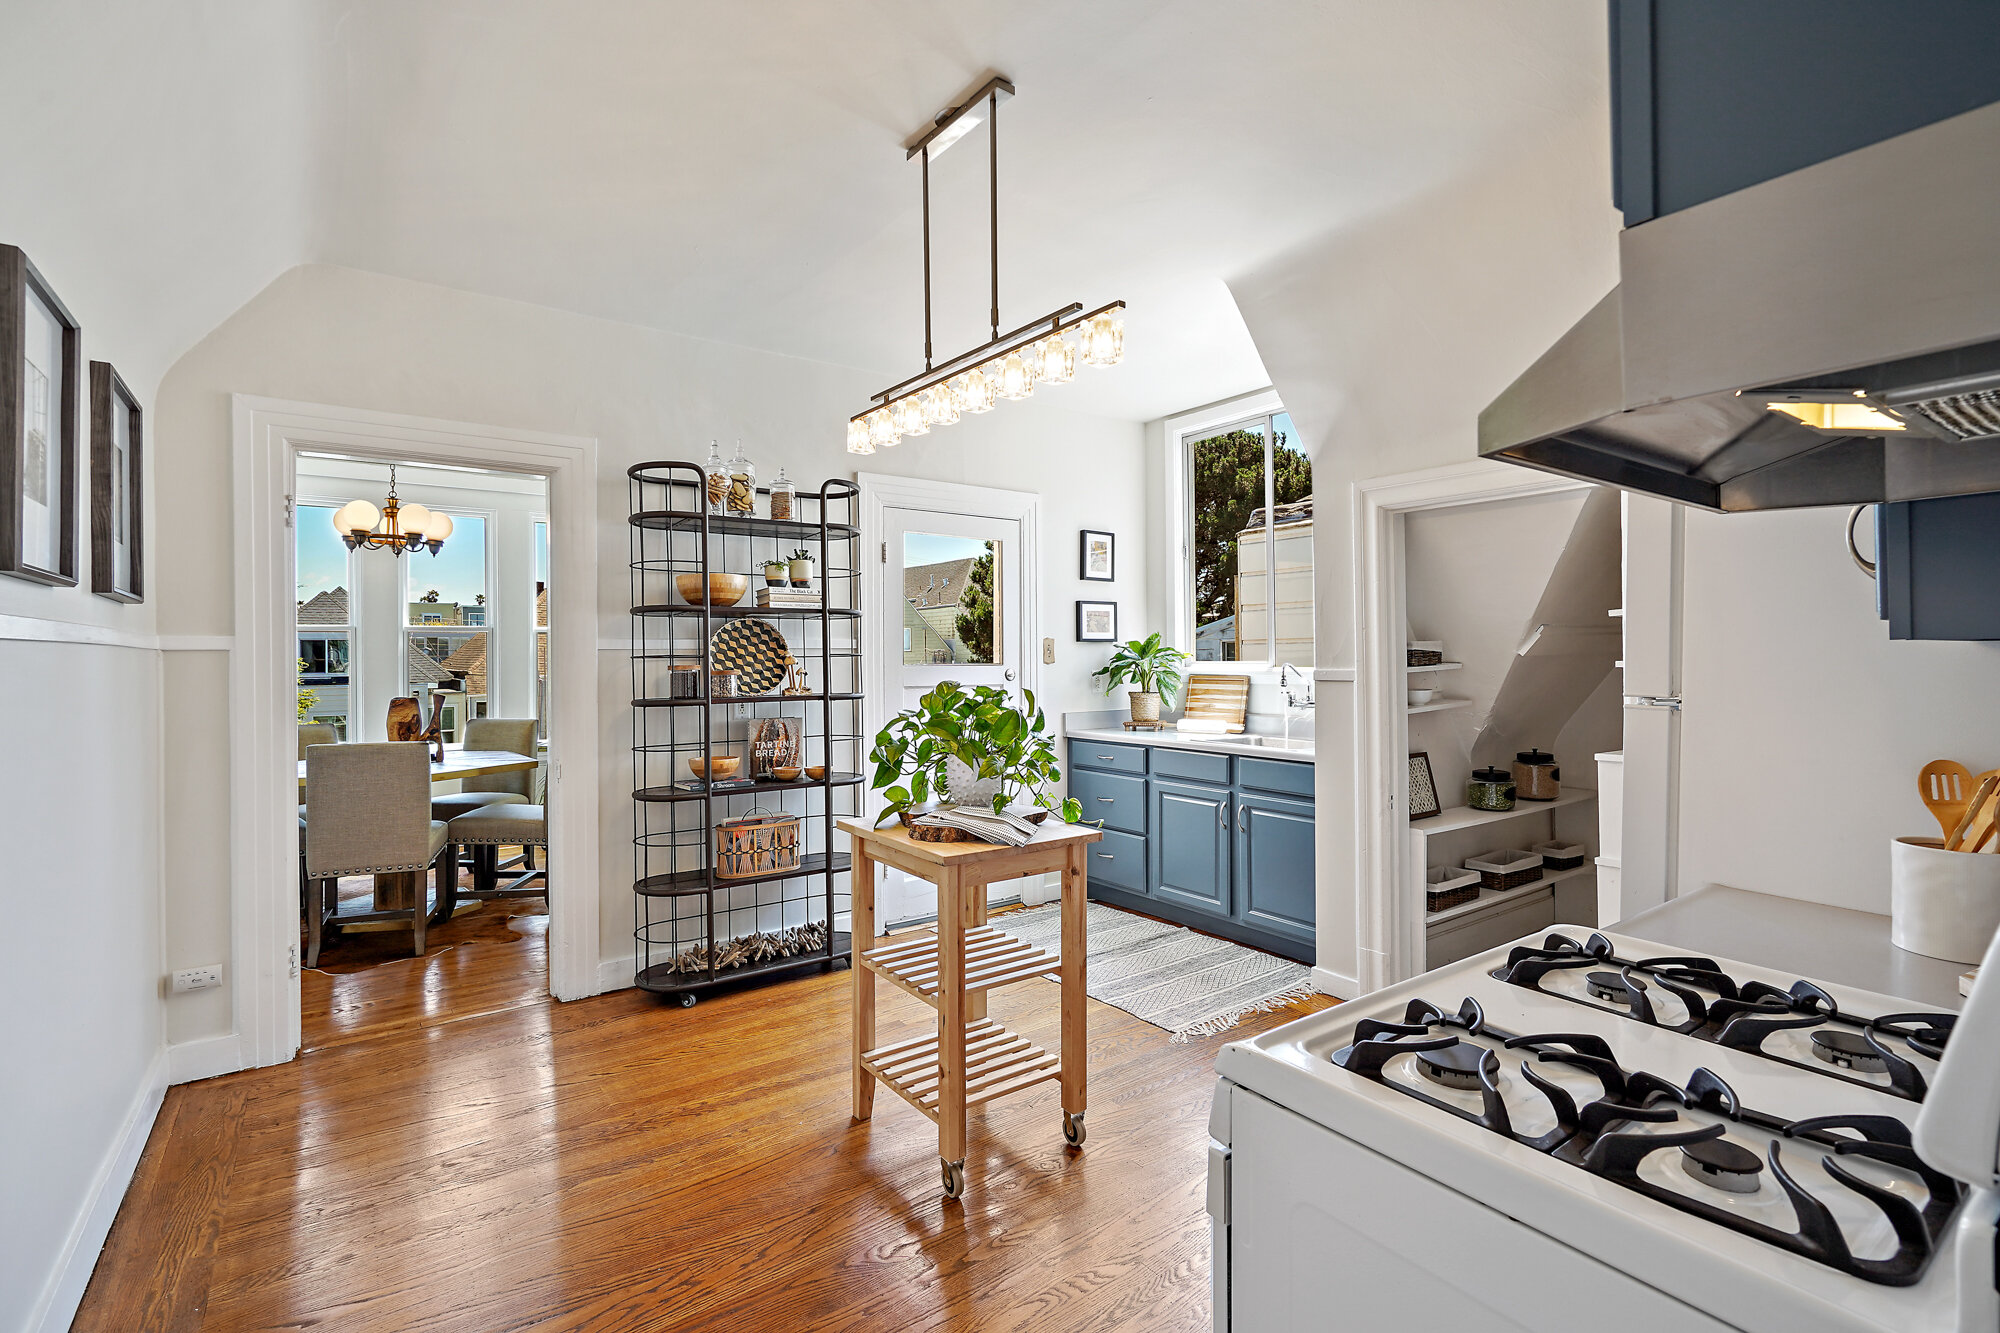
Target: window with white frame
x,y
542,628
325,619
445,628
1247,565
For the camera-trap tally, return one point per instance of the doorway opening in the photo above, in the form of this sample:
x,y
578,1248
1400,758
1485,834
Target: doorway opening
x,y
457,638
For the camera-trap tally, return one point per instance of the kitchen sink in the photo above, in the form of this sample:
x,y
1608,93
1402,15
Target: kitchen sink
x,y
1295,745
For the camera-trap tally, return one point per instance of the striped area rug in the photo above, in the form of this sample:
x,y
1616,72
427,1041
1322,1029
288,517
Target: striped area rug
x,y
1189,984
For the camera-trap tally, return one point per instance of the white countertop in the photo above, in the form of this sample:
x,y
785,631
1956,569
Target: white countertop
x,y
1809,940
1181,740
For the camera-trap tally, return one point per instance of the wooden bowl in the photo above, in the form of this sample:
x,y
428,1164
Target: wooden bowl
x,y
816,771
725,766
785,772
723,589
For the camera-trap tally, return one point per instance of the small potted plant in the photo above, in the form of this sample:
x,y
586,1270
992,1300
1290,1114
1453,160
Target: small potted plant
x,y
1150,665
801,567
775,571
960,746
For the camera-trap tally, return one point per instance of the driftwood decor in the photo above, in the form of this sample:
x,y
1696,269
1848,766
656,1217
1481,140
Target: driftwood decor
x,y
761,947
406,723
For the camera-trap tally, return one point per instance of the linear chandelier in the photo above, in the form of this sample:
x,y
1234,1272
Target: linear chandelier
x,y
1007,365
397,527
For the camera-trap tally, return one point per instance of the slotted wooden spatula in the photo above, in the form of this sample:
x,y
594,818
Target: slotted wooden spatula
x,y
1946,786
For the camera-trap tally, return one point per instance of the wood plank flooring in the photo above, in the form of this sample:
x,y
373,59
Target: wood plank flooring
x,y
452,1154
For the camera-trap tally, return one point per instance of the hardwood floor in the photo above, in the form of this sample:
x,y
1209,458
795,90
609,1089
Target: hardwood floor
x,y
615,1164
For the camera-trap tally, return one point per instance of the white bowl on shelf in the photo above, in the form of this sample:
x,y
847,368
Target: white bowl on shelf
x,y
1418,698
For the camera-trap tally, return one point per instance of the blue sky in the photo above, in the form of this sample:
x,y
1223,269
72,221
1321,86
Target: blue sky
x,y
458,572
929,548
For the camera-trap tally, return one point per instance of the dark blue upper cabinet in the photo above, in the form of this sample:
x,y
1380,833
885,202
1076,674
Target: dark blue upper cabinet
x,y
1710,96
1935,563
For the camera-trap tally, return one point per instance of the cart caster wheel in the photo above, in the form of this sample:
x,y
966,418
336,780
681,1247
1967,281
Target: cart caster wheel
x,y
954,1178
687,999
1073,1129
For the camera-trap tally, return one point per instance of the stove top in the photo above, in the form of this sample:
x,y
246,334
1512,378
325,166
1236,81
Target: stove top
x,y
1798,1023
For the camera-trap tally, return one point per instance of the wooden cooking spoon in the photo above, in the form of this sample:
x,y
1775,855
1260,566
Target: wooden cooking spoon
x,y
1946,785
1980,831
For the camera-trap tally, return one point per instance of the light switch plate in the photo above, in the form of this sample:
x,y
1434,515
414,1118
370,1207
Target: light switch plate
x,y
1048,652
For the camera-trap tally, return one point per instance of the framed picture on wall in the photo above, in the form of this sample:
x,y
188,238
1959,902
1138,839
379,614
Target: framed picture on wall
x,y
1097,556
1423,787
117,553
39,379
1097,622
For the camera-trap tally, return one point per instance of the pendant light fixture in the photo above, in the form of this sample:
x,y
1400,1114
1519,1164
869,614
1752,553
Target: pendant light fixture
x,y
1006,365
396,527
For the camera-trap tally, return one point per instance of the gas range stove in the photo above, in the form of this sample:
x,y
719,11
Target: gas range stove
x,y
1725,1145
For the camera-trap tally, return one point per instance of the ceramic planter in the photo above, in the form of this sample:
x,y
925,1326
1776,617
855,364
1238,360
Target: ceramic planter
x,y
774,574
802,573
964,786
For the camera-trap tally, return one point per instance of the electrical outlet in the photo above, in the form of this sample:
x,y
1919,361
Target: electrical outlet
x,y
1048,652
198,978
742,712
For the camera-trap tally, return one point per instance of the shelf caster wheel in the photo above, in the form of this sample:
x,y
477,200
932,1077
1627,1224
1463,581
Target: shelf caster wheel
x,y
954,1178
687,999
1073,1129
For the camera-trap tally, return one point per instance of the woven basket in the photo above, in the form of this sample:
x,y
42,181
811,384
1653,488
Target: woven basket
x,y
1425,654
1448,887
1560,855
1506,869
759,843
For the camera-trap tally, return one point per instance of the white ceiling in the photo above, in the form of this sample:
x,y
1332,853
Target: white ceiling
x,y
734,170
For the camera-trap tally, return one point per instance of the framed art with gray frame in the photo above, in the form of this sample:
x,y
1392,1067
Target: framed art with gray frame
x,y
117,550
39,381
1423,787
1097,556
1097,622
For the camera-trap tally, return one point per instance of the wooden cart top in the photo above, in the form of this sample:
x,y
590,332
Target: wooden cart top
x,y
896,838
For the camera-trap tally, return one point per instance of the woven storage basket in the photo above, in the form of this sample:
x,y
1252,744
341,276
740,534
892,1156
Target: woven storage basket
x,y
1425,652
1560,855
1506,869
759,843
1448,886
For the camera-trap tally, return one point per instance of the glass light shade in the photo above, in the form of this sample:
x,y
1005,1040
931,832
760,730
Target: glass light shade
x,y
910,417
1017,381
882,429
439,527
1104,341
356,516
939,409
857,437
1058,360
412,518
978,396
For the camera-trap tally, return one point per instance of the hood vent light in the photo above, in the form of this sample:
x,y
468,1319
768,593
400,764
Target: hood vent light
x,y
1831,415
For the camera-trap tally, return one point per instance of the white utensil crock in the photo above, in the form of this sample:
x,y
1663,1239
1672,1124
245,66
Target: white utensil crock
x,y
1942,904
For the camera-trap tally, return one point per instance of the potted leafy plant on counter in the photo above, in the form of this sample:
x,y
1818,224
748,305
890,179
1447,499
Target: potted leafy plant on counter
x,y
1152,667
966,746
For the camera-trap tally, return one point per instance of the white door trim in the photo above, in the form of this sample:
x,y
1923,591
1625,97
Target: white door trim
x,y
263,753
1389,923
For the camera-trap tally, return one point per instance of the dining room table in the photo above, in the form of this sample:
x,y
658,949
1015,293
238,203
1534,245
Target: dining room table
x,y
398,889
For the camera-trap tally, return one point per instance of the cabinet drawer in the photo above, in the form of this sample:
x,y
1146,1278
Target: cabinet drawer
x,y
1190,765
1119,860
1117,800
1289,776
1107,756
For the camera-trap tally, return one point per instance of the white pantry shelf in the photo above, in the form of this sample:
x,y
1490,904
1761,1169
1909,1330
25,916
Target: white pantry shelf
x,y
1440,705
1437,666
1465,817
1496,899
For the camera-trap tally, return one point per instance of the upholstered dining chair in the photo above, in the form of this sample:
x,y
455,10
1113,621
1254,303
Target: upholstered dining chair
x,y
370,816
493,733
317,733
484,832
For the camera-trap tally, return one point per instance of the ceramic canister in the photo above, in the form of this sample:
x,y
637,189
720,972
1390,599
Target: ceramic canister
x,y
1942,904
1536,777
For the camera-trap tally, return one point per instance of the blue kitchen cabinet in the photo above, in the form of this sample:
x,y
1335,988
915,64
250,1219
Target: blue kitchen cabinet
x,y
1274,864
1190,844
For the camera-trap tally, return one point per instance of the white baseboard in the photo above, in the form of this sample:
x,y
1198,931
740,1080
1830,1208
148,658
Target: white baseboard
x,y
191,1061
1334,984
63,1291
614,974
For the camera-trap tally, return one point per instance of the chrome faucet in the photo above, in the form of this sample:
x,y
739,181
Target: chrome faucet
x,y
1294,704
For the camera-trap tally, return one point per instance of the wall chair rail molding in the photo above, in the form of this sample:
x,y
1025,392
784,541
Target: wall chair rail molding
x,y
1389,923
268,436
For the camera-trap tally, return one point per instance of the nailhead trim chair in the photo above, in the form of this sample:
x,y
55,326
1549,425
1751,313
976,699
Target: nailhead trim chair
x,y
371,816
487,830
492,733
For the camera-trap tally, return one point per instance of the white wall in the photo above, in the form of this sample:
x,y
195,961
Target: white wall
x,y
360,340
1385,341
1804,725
152,173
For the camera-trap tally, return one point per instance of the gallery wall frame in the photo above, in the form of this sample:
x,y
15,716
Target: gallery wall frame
x,y
1096,622
40,379
117,472
1097,556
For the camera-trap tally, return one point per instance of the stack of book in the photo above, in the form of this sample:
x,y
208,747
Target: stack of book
x,y
789,598
1009,830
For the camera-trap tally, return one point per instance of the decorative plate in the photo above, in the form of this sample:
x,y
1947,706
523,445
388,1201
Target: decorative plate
x,y
755,650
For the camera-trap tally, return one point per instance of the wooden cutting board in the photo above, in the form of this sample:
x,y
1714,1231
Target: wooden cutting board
x,y
1216,698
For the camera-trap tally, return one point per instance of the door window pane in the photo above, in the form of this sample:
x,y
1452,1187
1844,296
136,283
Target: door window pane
x,y
949,612
542,630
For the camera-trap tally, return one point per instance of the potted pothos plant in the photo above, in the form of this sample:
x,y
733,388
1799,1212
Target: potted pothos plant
x,y
1152,667
962,745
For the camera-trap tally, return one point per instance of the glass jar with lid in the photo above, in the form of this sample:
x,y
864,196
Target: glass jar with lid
x,y
741,497
784,497
1536,777
1490,789
715,476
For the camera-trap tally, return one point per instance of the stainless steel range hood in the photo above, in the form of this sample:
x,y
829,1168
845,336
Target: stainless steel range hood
x,y
1862,293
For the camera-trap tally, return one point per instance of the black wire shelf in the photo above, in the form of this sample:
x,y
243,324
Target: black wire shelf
x,y
747,789
683,882
705,700
788,529
662,979
765,612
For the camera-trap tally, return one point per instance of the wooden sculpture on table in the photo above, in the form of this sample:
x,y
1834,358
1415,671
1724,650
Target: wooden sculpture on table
x,y
406,723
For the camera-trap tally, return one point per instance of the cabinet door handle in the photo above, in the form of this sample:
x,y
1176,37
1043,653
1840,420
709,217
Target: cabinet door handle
x,y
1222,816
1107,799
1106,856
1108,758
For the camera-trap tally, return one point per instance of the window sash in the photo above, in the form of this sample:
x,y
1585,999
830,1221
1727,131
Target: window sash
x,y
1186,439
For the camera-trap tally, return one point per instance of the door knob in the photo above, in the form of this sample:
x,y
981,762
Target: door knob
x,y
1008,674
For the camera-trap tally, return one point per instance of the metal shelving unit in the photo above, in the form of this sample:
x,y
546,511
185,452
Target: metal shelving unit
x,y
680,904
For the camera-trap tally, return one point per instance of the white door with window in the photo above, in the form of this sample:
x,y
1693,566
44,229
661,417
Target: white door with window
x,y
952,608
